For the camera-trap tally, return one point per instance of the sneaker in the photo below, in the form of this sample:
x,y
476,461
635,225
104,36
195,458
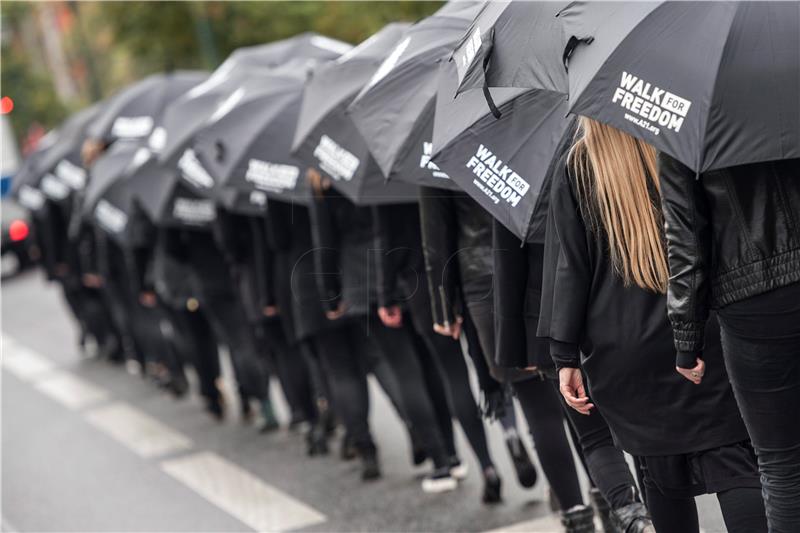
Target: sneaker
x,y
526,472
578,519
491,486
458,470
632,518
439,481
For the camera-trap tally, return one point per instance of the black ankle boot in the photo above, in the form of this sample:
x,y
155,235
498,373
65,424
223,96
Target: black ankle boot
x,y
633,518
526,472
579,519
492,485
370,469
603,510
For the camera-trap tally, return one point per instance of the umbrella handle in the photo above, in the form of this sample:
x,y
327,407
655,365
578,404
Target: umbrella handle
x,y
572,44
487,58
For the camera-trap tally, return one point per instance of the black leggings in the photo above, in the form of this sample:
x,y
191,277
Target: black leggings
x,y
604,462
194,341
291,369
545,418
742,510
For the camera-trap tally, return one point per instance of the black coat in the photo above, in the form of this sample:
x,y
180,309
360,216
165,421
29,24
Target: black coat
x,y
622,339
295,284
400,265
731,234
457,242
343,237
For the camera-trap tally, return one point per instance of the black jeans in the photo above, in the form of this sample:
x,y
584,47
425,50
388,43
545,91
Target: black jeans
x,y
765,377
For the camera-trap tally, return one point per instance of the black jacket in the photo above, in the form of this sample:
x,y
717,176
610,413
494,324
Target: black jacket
x,y
731,234
398,258
622,339
457,244
343,237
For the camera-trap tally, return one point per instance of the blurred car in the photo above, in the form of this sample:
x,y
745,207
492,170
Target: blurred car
x,y
19,249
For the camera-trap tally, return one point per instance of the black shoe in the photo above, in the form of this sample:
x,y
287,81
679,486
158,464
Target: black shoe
x,y
347,450
269,421
491,486
439,481
214,407
316,441
418,456
579,519
603,510
370,469
526,472
633,518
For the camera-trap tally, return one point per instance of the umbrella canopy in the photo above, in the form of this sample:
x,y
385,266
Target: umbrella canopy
x,y
389,109
714,84
191,111
168,200
513,44
502,163
326,136
26,181
247,150
132,113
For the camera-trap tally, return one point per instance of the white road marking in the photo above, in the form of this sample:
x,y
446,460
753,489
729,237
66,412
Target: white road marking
x,y
70,390
138,431
23,362
241,494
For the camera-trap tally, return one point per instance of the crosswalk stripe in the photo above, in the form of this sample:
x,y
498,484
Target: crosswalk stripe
x,y
23,362
241,494
138,431
70,390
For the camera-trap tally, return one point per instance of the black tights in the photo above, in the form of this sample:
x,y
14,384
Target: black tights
x,y
742,510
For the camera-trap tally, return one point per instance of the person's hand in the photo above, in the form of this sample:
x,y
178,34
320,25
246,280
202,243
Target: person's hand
x,y
92,281
570,384
337,313
450,330
392,316
695,375
270,310
147,298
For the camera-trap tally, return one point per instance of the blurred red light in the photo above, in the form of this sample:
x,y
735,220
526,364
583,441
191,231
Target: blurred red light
x,y
6,105
18,231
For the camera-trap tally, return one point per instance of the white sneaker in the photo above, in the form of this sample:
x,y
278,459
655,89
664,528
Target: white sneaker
x,y
439,481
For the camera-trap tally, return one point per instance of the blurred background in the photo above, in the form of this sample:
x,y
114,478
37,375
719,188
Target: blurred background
x,y
59,56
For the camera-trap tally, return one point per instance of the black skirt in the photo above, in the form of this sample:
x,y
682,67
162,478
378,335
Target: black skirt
x,y
705,472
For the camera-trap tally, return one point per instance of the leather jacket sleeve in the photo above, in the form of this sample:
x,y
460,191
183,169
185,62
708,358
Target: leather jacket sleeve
x,y
326,252
568,274
686,219
439,245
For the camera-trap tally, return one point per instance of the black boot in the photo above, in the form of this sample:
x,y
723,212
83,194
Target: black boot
x,y
347,450
492,485
526,472
579,519
370,469
603,510
633,518
317,441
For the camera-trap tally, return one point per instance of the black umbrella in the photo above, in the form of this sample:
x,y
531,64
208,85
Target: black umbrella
x,y
513,44
714,84
326,137
190,112
108,197
394,111
248,149
133,112
25,185
502,163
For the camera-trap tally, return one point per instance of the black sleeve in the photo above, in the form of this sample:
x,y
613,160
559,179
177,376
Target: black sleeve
x,y
567,274
262,262
439,242
326,252
511,273
686,219
386,267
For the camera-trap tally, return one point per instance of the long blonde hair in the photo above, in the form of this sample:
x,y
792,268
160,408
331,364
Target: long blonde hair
x,y
617,182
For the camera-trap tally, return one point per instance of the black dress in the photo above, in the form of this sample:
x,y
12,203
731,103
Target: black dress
x,y
622,339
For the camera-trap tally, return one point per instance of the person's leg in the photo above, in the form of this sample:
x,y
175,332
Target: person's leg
x,y
672,515
766,382
545,420
743,510
292,373
196,341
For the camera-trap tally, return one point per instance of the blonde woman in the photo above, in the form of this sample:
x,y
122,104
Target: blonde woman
x,y
604,310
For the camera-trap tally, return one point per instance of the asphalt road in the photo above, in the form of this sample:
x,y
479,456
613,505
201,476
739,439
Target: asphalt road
x,y
88,447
